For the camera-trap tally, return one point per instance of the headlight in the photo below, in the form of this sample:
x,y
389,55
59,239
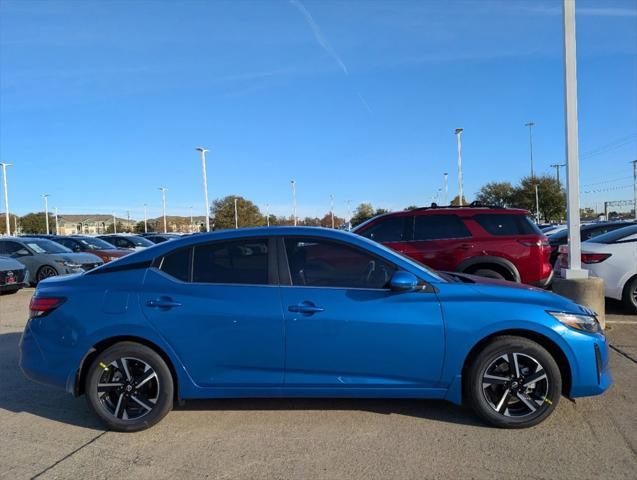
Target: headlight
x,y
586,323
69,264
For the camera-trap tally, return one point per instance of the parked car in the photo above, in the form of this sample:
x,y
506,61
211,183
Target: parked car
x,y
501,243
45,258
552,229
96,246
302,311
13,275
159,237
587,232
126,241
611,256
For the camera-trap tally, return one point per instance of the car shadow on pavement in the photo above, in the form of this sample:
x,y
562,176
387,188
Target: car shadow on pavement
x,y
615,307
19,394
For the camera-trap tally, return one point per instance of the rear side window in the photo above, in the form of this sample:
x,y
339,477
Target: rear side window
x,y
391,229
434,227
236,262
503,224
177,264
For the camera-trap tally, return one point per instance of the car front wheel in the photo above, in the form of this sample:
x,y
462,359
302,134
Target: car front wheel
x,y
130,387
513,383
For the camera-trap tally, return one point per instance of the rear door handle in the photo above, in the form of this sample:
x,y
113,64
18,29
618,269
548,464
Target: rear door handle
x,y
308,308
163,302
466,246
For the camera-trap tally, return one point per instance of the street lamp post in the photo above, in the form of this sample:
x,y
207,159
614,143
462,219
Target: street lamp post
x,y
267,214
446,175
6,196
46,211
634,162
349,215
293,182
57,225
203,151
531,125
114,223
145,218
191,223
236,214
332,209
163,206
458,132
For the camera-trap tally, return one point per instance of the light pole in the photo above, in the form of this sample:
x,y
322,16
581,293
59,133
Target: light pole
x,y
6,196
458,132
446,175
634,162
267,214
163,206
191,223
46,211
349,215
557,166
203,151
332,209
531,125
57,225
145,218
293,182
114,223
236,214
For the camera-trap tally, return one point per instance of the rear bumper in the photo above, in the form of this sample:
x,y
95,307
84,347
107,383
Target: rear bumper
x,y
544,283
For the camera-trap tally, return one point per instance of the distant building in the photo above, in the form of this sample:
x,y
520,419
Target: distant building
x,y
90,224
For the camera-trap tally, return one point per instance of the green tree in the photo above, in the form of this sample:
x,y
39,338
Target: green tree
x,y
499,194
36,223
222,213
3,223
120,228
411,207
552,202
363,212
326,221
455,201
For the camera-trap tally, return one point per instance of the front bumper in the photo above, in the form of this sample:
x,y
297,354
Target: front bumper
x,y
590,368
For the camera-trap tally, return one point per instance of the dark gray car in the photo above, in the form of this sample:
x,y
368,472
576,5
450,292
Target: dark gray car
x,y
44,258
13,275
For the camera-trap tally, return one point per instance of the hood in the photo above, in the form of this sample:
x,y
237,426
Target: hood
x,y
506,291
7,263
80,258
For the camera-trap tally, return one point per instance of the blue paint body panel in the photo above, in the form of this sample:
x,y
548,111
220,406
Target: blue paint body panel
x,y
242,340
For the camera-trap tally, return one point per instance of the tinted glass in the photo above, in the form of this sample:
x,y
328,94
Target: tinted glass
x,y
503,224
611,234
177,264
322,263
9,248
68,243
242,262
391,229
433,227
140,241
41,245
93,243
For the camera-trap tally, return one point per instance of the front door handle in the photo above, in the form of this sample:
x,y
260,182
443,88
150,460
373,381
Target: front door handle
x,y
466,246
307,308
163,302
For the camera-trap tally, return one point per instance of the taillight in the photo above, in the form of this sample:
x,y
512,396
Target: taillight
x,y
534,243
594,257
41,306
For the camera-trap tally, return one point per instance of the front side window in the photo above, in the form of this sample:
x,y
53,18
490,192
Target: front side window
x,y
177,264
391,229
438,227
317,262
235,262
10,248
507,224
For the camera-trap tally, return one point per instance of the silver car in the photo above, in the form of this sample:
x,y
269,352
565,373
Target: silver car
x,y
13,275
44,258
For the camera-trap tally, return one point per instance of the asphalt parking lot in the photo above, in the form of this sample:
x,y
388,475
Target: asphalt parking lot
x,y
45,433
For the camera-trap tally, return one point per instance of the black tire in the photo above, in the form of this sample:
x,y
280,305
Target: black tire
x,y
126,400
45,271
629,297
489,273
505,399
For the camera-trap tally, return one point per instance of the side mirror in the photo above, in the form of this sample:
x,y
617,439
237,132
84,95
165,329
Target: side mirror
x,y
403,281
23,252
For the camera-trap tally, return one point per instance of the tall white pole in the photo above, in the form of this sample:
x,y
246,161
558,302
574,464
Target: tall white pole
x,y
114,223
236,214
163,206
6,196
293,182
267,214
46,211
332,209
203,151
458,134
145,218
574,269
634,162
531,125
57,225
446,202
349,215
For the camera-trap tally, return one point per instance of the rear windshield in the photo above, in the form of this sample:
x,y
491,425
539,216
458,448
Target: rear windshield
x,y
503,224
615,236
140,241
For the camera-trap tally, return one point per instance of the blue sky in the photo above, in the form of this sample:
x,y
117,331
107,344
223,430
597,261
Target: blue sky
x,y
103,102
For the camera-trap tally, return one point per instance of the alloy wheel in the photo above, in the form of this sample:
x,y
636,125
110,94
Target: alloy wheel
x,y
516,385
46,272
128,388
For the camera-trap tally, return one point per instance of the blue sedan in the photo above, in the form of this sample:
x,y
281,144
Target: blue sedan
x,y
305,312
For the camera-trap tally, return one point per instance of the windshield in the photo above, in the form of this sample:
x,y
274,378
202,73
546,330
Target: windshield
x,y
41,245
615,235
140,241
95,244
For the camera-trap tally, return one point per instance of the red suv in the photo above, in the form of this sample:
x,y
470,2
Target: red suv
x,y
500,243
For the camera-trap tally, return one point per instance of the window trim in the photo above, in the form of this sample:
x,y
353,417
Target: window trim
x,y
284,263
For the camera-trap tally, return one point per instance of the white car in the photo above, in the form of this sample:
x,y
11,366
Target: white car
x,y
611,256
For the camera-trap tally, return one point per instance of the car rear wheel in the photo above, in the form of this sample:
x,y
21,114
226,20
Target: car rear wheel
x,y
46,271
629,297
513,383
130,387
